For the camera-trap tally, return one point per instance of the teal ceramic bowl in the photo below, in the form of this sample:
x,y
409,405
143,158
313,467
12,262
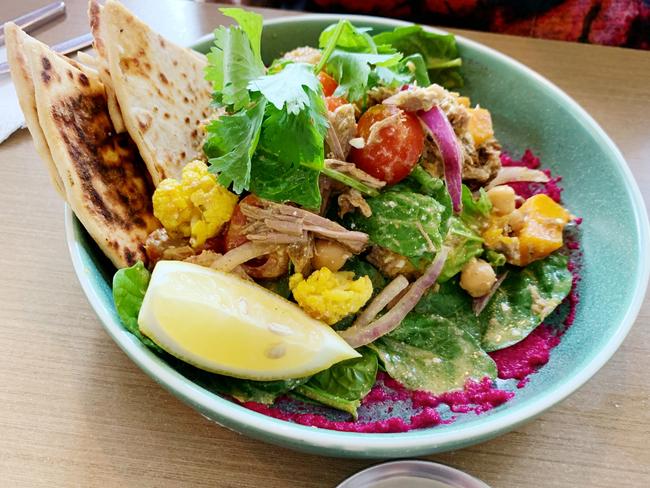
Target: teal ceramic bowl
x,y
528,112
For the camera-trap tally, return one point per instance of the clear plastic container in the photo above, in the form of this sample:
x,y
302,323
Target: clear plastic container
x,y
411,474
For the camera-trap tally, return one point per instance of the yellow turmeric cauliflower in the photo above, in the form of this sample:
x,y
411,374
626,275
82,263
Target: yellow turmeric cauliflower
x,y
330,296
196,206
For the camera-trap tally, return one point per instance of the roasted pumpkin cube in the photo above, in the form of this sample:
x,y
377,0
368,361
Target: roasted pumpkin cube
x,y
464,101
480,125
543,223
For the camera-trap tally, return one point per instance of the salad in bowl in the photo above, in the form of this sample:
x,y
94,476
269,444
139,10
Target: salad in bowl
x,y
334,238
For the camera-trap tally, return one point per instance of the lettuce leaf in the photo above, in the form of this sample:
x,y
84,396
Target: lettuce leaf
x,y
351,38
439,51
463,244
230,144
129,288
526,297
345,384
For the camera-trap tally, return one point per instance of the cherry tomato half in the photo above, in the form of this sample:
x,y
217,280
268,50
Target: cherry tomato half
x,y
333,103
394,149
266,267
329,84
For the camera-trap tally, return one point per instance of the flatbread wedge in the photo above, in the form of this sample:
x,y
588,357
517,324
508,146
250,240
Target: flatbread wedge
x,y
94,15
105,181
160,88
17,42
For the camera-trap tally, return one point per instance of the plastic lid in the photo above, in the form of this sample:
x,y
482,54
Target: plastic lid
x,y
415,474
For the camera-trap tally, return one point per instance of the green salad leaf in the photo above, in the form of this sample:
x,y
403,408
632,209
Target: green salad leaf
x,y
232,64
343,385
439,51
351,38
288,87
525,298
404,222
129,288
296,138
361,267
433,356
463,244
351,71
246,390
475,211
231,142
251,23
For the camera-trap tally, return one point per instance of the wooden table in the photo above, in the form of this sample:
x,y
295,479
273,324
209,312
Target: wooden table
x,y
75,411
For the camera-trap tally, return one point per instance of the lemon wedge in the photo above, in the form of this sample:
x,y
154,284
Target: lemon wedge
x,y
223,324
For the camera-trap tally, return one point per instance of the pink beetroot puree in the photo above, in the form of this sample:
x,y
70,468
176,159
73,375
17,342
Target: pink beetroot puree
x,y
401,409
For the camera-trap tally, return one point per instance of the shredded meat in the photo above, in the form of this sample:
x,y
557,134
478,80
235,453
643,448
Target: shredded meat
x,y
210,259
391,264
418,98
343,127
375,96
351,170
300,253
159,245
283,224
481,164
352,199
304,54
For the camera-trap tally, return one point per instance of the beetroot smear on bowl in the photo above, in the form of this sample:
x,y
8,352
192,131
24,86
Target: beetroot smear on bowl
x,y
401,409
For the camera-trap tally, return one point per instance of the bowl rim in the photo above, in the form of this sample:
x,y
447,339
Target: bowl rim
x,y
385,444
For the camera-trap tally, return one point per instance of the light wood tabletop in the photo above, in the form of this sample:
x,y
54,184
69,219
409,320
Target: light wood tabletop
x,y
75,411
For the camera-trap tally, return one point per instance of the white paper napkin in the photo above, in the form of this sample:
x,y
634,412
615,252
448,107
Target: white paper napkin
x,y
11,117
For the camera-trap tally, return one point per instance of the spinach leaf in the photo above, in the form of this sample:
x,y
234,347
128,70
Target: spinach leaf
x,y
475,211
230,144
439,51
410,69
246,390
525,298
449,305
232,64
288,87
361,268
400,218
129,288
351,71
344,385
437,358
351,38
463,244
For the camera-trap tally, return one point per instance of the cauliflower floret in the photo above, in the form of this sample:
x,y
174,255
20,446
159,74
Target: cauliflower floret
x,y
196,206
330,296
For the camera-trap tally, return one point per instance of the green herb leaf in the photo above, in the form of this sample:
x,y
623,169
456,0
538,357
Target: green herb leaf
x,y
351,71
232,64
129,288
439,51
288,87
281,182
408,70
251,24
296,138
400,218
231,143
344,385
525,298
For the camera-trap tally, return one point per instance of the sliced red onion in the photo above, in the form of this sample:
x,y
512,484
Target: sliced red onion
x,y
436,123
386,295
479,304
511,174
360,336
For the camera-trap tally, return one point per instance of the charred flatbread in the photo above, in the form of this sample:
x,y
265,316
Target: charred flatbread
x,y
105,181
160,88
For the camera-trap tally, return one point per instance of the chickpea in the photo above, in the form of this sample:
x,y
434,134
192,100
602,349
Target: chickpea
x,y
328,254
477,277
516,221
502,198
